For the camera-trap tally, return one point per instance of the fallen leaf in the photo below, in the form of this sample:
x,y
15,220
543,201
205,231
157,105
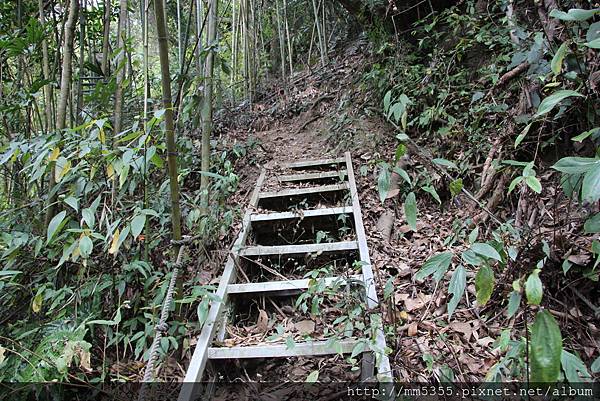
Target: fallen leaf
x,y
262,323
392,193
305,326
462,327
412,304
412,329
400,297
485,341
581,259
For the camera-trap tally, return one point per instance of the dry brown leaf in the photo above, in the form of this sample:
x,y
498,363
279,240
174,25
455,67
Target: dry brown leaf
x,y
392,193
305,326
412,329
581,259
462,327
485,341
262,323
416,303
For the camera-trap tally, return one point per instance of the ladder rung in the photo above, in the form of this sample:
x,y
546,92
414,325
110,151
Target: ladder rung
x,y
289,285
304,191
312,348
303,214
298,249
341,174
311,163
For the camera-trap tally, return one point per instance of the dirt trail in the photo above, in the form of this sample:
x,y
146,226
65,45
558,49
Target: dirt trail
x,y
323,115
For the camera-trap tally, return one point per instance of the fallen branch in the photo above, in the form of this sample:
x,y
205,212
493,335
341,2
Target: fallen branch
x,y
510,75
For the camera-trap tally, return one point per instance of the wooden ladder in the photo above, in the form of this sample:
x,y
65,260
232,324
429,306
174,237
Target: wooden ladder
x,y
214,327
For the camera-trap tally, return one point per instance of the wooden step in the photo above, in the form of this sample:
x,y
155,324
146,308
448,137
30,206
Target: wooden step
x,y
301,249
298,215
286,286
304,191
309,348
314,163
328,175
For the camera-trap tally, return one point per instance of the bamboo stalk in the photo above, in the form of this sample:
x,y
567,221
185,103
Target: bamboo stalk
x,y
106,37
65,81
163,51
206,112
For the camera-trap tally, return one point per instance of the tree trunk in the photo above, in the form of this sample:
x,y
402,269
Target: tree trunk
x,y
163,51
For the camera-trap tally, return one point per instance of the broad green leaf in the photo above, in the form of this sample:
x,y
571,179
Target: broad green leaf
x,y
574,368
386,101
137,224
445,163
88,217
513,303
594,44
73,202
402,137
123,175
456,186
576,165
590,189
473,235
431,191
486,250
55,225
9,272
471,258
546,349
149,212
358,349
402,173
514,183
533,288
522,135
410,210
313,377
484,284
593,32
585,134
566,266
592,225
596,365
456,288
383,182
436,265
549,102
574,14
533,183
558,58
85,246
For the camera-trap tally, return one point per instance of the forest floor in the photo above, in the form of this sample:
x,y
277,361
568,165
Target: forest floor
x,y
324,113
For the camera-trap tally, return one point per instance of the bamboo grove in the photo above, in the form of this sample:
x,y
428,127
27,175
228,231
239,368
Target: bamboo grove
x,y
106,117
